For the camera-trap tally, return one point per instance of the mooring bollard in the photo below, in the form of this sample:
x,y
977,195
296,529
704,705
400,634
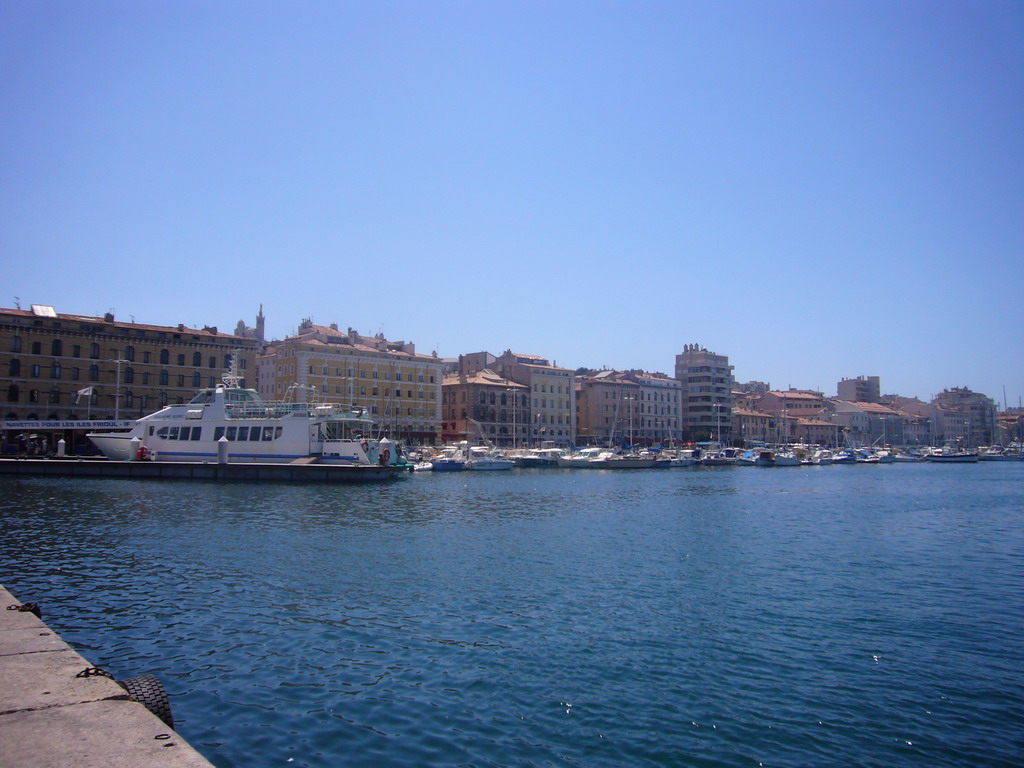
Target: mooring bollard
x,y
222,450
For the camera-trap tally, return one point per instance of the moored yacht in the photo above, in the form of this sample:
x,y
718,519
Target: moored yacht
x,y
231,422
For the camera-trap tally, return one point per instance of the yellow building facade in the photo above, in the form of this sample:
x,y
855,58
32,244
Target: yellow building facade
x,y
399,388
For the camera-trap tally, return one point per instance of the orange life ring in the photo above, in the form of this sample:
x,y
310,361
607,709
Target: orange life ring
x,y
143,453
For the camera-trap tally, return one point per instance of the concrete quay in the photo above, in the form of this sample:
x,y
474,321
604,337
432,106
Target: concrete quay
x,y
199,470
52,718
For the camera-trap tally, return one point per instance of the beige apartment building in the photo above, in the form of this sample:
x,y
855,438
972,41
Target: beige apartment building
x,y
863,389
59,369
628,407
708,382
399,388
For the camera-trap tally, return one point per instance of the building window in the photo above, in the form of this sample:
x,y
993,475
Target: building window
x,y
165,357
54,395
14,368
197,359
181,380
55,371
94,351
76,351
129,353
181,359
94,372
12,393
74,374
163,378
35,371
129,375
56,348
196,380
16,344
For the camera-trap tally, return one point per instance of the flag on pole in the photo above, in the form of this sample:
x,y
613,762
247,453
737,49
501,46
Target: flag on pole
x,y
86,392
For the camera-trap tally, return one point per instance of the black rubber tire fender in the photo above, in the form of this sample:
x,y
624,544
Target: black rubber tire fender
x,y
148,691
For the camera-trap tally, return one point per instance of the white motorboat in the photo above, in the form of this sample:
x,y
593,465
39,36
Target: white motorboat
x,y
487,459
580,459
237,421
539,457
645,460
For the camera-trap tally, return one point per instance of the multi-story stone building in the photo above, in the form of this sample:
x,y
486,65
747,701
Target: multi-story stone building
x,y
863,389
978,409
707,390
481,407
64,368
623,407
795,403
752,426
399,388
605,407
867,423
551,415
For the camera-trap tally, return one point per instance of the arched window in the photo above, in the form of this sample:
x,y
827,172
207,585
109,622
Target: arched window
x,y
56,348
165,357
129,353
197,359
14,368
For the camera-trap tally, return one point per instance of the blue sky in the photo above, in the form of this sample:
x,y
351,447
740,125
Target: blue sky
x,y
819,190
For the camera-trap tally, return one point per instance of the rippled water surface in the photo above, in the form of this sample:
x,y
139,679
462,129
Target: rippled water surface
x,y
690,617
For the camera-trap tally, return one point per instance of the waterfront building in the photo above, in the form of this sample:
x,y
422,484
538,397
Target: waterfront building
x,y
1011,426
707,384
399,388
978,410
551,412
61,367
605,403
869,423
753,427
815,431
482,407
802,403
863,389
628,407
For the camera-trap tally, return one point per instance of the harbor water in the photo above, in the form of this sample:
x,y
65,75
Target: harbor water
x,y
812,616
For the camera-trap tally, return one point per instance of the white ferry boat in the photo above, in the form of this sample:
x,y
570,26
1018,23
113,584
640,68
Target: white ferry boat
x,y
251,430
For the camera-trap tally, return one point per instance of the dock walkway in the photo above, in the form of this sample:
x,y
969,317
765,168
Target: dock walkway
x,y
50,717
